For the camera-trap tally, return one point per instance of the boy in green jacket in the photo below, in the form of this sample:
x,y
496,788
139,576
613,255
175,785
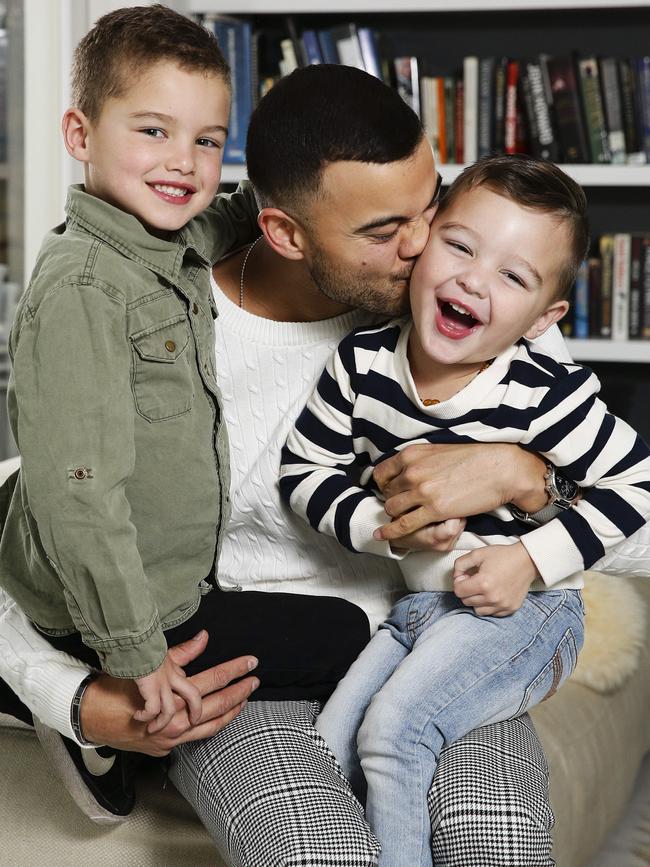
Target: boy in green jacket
x,y
115,519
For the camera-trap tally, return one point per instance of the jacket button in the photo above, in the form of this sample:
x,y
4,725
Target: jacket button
x,y
195,308
81,473
170,346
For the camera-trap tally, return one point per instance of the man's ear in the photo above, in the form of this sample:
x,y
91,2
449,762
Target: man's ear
x,y
75,126
549,317
283,234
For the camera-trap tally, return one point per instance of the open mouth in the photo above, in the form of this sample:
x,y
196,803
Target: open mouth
x,y
176,195
454,320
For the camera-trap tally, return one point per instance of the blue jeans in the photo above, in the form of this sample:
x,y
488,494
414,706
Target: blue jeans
x,y
433,672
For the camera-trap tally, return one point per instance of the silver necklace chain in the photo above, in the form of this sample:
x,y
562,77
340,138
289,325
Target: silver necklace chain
x,y
243,270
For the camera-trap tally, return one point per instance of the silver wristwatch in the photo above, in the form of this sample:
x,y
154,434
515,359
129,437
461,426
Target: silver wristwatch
x,y
562,494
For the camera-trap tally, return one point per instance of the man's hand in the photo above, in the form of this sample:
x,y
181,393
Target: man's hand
x,y
425,484
435,537
158,690
494,580
109,703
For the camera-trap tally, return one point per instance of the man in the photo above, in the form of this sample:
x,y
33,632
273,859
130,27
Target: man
x,y
266,787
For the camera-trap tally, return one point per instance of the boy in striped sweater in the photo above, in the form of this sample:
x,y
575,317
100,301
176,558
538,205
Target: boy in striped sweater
x,y
494,624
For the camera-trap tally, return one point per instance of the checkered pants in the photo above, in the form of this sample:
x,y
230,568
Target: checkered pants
x,y
270,793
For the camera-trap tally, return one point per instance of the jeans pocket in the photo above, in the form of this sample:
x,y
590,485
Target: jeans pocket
x,y
553,675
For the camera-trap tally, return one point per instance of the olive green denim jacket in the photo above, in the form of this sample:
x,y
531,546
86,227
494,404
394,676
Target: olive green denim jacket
x,y
118,510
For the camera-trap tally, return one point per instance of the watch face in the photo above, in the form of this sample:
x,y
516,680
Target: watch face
x,y
566,488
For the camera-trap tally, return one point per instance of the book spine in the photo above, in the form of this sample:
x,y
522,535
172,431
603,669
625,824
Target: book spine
x,y
594,114
327,47
311,48
500,73
370,52
546,144
408,81
442,119
613,108
634,153
450,116
645,287
512,80
581,302
606,249
567,110
347,46
459,126
643,100
470,108
595,301
621,286
635,309
485,106
235,39
430,116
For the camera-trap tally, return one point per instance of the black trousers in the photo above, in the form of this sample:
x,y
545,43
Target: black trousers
x,y
304,644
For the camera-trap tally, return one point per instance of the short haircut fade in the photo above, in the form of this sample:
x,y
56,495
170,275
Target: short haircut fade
x,y
125,43
318,115
538,185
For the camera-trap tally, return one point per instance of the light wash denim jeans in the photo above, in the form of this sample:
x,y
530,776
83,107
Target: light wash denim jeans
x,y
433,672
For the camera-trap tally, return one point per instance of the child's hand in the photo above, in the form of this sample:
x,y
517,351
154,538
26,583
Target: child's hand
x,y
494,580
157,690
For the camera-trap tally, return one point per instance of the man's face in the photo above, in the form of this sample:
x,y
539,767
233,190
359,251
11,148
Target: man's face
x,y
367,229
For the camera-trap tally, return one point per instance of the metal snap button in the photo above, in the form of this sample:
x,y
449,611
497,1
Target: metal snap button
x,y
170,346
81,473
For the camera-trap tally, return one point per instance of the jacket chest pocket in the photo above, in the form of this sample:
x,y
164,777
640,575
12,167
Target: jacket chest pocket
x,y
162,374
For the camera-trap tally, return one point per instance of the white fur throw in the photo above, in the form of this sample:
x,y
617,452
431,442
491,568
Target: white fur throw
x,y
615,632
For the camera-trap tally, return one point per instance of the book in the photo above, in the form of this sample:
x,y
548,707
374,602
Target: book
x,y
567,109
235,38
431,113
470,109
606,250
643,102
645,286
408,81
510,117
595,274
348,46
633,149
500,71
594,113
621,286
327,46
542,135
459,123
449,86
442,117
635,325
289,61
581,303
311,48
370,51
613,108
485,105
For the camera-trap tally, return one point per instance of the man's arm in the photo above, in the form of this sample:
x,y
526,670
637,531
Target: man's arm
x,y
46,680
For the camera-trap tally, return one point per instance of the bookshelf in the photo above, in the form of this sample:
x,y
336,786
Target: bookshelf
x,y
618,194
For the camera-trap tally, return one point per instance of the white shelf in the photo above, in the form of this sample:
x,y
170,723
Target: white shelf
x,y
587,175
610,350
247,7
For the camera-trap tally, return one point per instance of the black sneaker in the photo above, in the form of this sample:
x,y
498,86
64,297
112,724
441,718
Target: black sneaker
x,y
100,780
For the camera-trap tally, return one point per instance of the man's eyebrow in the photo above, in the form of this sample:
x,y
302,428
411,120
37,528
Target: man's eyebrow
x,y
393,218
167,118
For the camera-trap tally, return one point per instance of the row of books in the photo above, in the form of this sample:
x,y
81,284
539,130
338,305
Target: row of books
x,y
611,296
569,109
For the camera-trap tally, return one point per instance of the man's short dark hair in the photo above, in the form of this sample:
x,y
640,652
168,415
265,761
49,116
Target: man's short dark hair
x,y
125,43
536,184
318,115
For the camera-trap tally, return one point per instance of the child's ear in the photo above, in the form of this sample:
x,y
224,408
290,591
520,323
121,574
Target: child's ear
x,y
75,126
549,317
283,234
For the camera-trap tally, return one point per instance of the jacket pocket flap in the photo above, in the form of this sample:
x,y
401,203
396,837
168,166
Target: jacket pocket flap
x,y
163,342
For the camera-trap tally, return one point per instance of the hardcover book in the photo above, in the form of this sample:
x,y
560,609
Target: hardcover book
x,y
594,113
567,109
621,286
613,108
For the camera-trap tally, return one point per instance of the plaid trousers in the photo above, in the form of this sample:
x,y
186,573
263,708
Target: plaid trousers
x,y
271,794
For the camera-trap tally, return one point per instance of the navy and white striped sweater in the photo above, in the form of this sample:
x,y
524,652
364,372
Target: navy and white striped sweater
x,y
366,408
